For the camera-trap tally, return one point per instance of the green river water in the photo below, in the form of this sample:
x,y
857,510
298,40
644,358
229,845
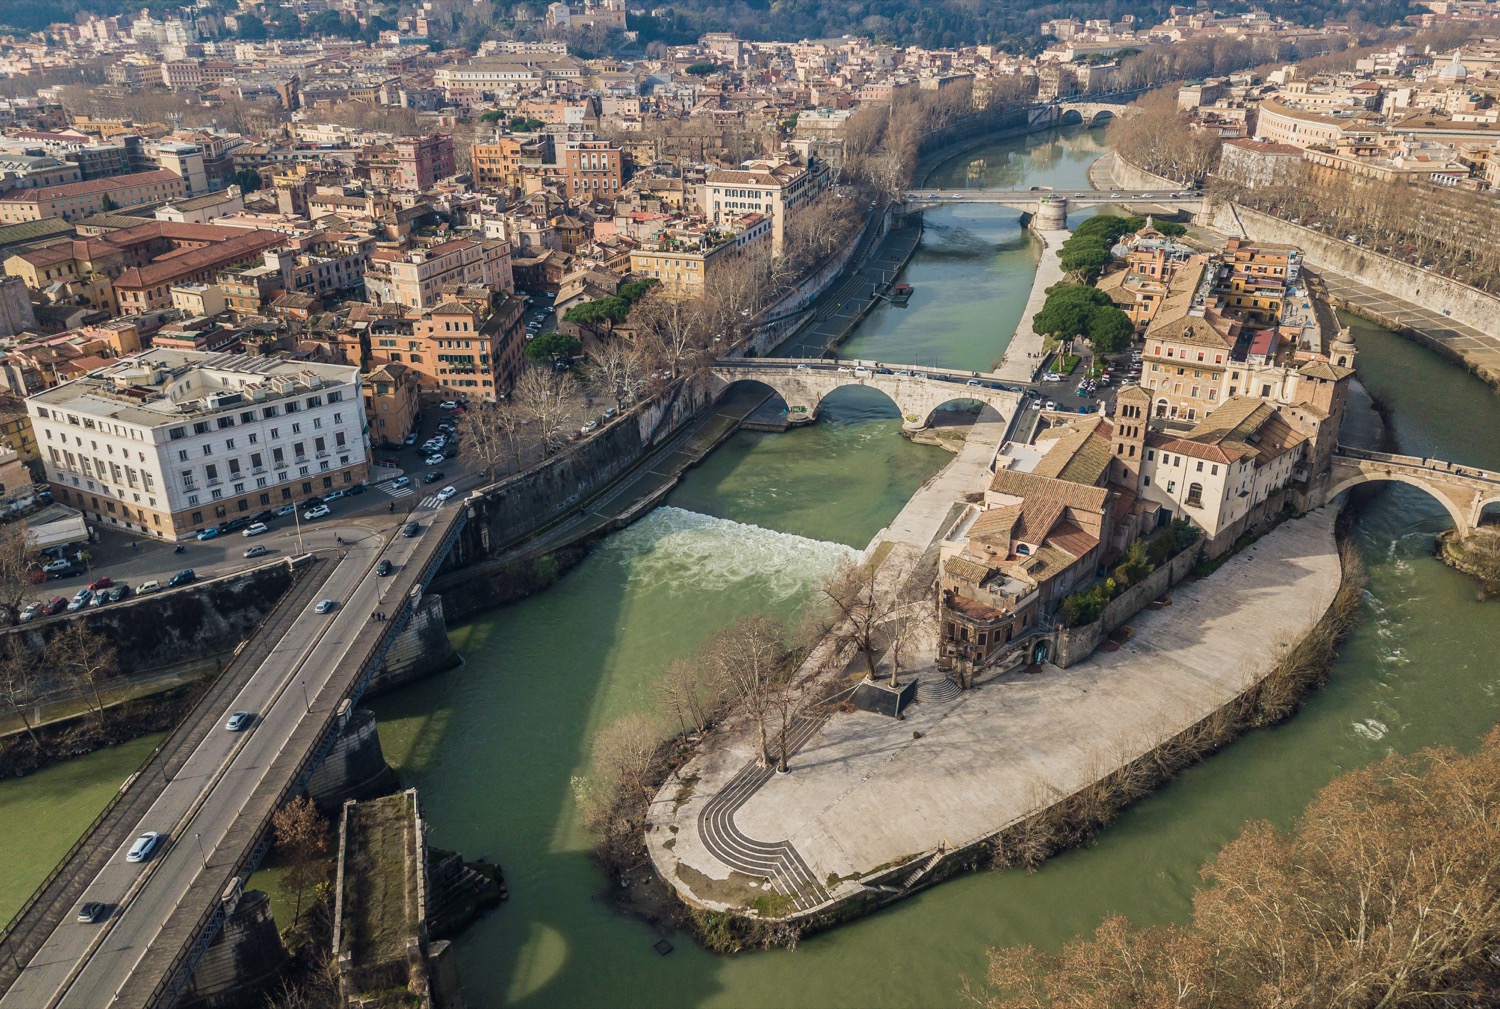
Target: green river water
x,y
496,747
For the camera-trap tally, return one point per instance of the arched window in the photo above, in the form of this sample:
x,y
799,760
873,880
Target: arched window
x,y
1195,494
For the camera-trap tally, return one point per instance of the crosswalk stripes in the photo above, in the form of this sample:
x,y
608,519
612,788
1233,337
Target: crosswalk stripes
x,y
398,491
430,501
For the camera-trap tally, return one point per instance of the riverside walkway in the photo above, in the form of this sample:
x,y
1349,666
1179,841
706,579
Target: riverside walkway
x,y
869,798
1024,354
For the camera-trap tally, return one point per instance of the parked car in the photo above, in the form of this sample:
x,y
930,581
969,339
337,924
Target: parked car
x,y
334,495
57,605
100,598
410,439
316,512
410,529
256,529
209,533
102,582
90,912
57,567
285,509
436,459
119,593
146,588
183,577
446,494
356,490
259,550
30,612
432,476
400,483
143,847
448,404
235,525
238,721
384,568
590,427
325,606
78,602
451,452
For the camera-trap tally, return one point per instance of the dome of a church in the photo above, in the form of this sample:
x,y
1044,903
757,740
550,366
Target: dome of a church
x,y
1454,71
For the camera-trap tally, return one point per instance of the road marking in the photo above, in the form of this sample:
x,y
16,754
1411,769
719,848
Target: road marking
x,y
399,491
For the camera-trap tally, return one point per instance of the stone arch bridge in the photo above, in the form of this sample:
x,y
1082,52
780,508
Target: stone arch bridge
x,y
1464,491
1066,113
917,392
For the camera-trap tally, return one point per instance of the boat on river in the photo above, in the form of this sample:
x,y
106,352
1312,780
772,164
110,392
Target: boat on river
x,y
900,294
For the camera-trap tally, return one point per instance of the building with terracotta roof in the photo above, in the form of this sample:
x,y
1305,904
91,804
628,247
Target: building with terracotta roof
x,y
80,199
776,189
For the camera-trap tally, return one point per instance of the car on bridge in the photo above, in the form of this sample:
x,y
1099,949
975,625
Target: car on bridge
x,y
410,529
238,721
90,912
143,847
326,606
384,568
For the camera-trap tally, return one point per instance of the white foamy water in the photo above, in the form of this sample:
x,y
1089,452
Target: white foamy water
x,y
685,551
1371,729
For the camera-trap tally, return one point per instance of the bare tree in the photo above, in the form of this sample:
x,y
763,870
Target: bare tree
x,y
302,839
622,754
482,435
614,368
864,603
672,331
86,657
19,681
751,656
543,395
692,689
18,565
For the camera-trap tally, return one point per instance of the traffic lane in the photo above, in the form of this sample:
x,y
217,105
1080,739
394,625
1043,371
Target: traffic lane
x,y
284,708
48,970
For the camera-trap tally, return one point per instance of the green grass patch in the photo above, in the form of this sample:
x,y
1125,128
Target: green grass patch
x,y
1066,364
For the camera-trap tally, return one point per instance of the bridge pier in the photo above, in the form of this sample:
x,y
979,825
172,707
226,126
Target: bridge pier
x,y
1051,214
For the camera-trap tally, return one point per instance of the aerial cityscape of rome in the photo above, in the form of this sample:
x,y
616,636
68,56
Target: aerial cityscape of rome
x,y
749,504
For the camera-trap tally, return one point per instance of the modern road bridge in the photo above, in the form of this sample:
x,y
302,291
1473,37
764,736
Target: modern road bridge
x,y
1031,199
916,391
215,811
1464,491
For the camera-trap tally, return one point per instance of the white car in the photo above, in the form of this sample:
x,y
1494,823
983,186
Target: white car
x,y
30,612
316,512
448,404
255,529
143,846
446,493
436,459
325,606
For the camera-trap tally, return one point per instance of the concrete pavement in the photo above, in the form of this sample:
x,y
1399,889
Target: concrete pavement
x,y
1023,355
868,793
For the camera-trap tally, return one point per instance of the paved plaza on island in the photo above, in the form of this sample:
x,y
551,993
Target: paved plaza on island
x,y
868,792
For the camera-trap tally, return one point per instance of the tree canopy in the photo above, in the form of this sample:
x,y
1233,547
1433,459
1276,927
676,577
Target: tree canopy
x,y
548,347
1382,895
1079,310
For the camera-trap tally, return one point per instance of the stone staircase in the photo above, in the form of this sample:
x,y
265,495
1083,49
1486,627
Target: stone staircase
x,y
937,689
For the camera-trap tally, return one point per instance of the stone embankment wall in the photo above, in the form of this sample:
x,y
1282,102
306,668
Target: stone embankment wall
x,y
1400,280
1074,644
355,768
1128,176
188,623
241,962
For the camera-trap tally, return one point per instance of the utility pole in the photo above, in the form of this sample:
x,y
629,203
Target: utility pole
x,y
297,518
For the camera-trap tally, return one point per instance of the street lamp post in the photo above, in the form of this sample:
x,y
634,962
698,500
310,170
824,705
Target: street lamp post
x,y
297,518
305,701
204,858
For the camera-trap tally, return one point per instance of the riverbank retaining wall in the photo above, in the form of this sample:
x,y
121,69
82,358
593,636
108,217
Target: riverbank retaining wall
x,y
423,649
1400,280
1075,644
355,768
200,620
241,962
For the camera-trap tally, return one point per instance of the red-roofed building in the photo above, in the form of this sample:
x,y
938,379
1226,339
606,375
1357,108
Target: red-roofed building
x,y
77,200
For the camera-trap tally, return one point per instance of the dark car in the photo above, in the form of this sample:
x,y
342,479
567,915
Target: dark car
x,y
184,577
313,502
384,568
269,515
57,605
235,525
90,912
410,529
357,489
433,476
118,593
450,451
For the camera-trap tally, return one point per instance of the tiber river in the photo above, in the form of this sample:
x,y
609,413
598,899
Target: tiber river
x,y
494,747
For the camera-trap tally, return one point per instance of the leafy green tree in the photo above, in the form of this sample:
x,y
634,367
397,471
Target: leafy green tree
x,y
635,290
702,69
1083,259
601,312
549,347
1065,313
492,116
1109,330
251,28
248,179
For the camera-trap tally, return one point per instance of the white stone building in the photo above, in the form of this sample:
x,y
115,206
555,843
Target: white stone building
x,y
170,442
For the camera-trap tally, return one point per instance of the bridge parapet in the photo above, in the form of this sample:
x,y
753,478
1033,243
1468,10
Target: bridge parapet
x,y
1464,491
